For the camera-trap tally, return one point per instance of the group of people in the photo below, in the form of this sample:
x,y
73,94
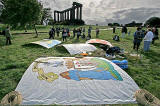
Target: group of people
x,y
79,32
148,36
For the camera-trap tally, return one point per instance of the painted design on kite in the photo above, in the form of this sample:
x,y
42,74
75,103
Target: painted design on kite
x,y
104,71
108,67
97,74
49,77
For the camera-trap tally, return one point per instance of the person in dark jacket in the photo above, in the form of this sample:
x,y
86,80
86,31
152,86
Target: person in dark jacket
x,y
64,35
57,31
155,33
137,39
51,33
124,31
78,33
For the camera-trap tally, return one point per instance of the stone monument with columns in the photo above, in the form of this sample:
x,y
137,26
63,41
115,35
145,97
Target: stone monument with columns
x,y
70,14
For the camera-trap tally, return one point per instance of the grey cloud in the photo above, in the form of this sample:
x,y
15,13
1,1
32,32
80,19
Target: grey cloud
x,y
105,11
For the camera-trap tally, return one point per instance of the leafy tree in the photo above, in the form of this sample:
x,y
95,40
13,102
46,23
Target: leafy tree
x,y
153,21
19,13
110,24
116,24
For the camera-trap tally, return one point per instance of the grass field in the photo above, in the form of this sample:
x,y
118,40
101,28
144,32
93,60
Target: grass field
x,y
16,58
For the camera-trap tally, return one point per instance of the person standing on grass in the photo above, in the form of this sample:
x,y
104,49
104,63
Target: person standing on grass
x,y
148,39
58,31
8,36
64,35
97,32
51,34
114,29
124,31
83,36
155,33
89,33
78,33
74,32
68,32
137,39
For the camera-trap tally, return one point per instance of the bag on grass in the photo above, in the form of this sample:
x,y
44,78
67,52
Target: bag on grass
x,y
116,38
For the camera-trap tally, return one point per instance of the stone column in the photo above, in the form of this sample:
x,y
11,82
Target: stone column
x,y
58,16
55,16
64,15
81,13
77,13
67,15
71,14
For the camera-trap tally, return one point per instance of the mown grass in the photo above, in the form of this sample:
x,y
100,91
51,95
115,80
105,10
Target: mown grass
x,y
16,58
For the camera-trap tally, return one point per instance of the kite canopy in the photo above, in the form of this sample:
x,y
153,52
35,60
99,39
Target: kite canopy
x,y
79,48
47,43
99,41
76,81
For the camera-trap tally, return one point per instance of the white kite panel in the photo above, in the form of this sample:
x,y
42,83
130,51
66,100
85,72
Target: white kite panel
x,y
66,81
79,48
47,43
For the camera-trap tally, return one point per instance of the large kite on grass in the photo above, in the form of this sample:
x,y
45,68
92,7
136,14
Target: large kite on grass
x,y
99,41
47,43
79,48
76,81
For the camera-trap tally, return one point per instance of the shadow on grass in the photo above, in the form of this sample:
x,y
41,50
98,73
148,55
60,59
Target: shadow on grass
x,y
2,40
30,45
13,66
75,40
152,55
61,49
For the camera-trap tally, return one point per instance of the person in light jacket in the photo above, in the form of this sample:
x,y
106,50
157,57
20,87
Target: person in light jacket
x,y
148,39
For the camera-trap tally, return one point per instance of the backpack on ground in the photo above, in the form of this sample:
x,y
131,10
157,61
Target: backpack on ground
x,y
116,38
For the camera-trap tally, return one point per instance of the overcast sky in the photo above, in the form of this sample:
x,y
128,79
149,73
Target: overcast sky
x,y
106,11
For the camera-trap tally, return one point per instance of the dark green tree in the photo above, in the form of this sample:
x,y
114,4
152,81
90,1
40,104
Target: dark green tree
x,y
154,21
110,24
19,13
116,24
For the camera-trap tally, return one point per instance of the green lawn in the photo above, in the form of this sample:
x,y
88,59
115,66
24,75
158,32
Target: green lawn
x,y
16,58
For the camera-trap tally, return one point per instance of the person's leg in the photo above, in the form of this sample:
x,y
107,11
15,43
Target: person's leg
x,y
6,40
53,36
63,38
153,40
148,45
49,36
77,36
9,39
123,35
145,46
134,45
138,44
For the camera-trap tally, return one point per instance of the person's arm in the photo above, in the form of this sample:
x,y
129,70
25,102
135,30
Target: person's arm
x,y
145,37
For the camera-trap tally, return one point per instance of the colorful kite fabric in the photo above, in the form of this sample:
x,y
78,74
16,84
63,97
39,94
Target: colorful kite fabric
x,y
76,81
104,42
79,48
47,43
